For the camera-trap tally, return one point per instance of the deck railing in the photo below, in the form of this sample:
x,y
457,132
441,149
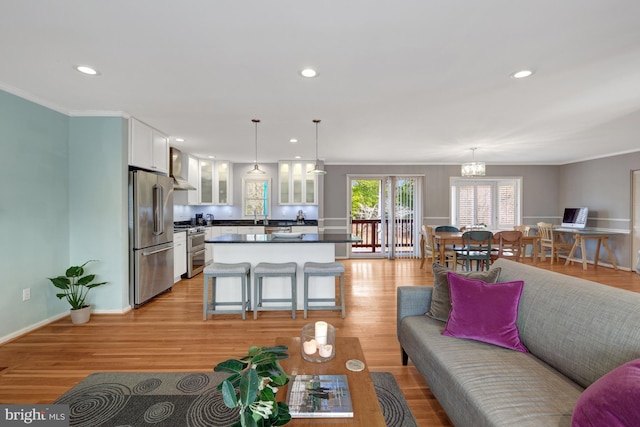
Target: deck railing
x,y
370,231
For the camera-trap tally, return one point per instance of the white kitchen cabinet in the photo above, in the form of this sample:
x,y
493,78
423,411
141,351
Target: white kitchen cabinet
x,y
148,147
215,184
251,229
296,186
308,229
179,255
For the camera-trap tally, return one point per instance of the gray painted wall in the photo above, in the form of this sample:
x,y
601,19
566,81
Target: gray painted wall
x,y
603,185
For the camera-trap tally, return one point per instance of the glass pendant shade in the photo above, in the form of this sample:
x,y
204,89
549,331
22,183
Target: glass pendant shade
x,y
316,168
473,168
256,169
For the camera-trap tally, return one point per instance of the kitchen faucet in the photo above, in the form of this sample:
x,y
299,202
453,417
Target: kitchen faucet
x,y
266,220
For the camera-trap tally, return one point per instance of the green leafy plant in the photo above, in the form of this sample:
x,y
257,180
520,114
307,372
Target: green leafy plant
x,y
253,385
75,285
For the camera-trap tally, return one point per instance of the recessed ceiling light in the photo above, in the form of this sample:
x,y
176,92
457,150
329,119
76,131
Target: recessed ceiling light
x,y
85,69
212,157
297,157
308,72
179,139
293,140
522,74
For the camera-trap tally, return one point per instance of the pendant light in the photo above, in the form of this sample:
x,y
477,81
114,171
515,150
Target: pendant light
x,y
256,169
473,168
316,169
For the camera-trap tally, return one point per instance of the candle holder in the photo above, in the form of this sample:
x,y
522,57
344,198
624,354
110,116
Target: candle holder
x,y
318,342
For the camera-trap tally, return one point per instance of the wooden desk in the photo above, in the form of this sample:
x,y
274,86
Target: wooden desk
x,y
443,238
366,409
580,237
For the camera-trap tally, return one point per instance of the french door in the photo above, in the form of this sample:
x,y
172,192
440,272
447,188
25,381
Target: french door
x,y
385,212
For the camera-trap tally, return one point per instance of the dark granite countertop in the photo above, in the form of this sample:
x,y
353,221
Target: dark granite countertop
x,y
271,238
272,222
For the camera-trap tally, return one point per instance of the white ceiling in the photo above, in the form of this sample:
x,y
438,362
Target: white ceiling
x,y
404,81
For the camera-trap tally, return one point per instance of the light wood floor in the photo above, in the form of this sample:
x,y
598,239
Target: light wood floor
x,y
168,334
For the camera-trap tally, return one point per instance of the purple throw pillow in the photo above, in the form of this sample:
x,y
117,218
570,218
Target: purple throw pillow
x,y
485,312
612,400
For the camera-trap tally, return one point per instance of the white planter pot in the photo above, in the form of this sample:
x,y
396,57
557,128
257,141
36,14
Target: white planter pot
x,y
81,315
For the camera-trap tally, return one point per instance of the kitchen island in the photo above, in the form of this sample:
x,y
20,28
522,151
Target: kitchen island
x,y
256,248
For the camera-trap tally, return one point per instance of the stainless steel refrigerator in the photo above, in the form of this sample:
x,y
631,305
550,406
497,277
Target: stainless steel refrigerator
x,y
150,235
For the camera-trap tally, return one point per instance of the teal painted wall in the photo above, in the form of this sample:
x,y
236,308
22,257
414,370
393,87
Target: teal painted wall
x,y
63,201
34,210
98,205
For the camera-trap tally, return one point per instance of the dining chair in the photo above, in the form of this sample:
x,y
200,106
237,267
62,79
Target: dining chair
x,y
477,247
549,241
449,252
525,230
509,245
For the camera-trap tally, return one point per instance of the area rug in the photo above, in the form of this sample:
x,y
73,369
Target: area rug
x,y
121,399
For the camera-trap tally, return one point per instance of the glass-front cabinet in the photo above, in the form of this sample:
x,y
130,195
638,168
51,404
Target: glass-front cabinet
x,y
296,185
215,182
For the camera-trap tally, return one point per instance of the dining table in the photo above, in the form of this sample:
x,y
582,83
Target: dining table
x,y
450,238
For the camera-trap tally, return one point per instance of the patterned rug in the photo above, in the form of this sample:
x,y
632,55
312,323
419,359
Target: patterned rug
x,y
122,399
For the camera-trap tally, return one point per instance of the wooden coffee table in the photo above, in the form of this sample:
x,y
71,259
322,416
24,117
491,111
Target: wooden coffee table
x,y
366,409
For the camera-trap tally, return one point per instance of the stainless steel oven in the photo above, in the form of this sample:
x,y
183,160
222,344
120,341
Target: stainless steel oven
x,y
195,248
195,262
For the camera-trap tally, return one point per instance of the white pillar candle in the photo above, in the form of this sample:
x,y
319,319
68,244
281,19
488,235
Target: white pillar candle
x,y
309,346
325,350
321,333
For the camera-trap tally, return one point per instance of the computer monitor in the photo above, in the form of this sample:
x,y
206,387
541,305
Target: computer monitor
x,y
575,217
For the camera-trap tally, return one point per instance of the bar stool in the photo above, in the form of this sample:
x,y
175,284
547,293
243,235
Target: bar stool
x,y
219,269
266,269
323,269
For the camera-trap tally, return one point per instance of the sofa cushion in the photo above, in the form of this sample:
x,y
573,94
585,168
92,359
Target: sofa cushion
x,y
484,312
612,400
440,300
581,328
484,385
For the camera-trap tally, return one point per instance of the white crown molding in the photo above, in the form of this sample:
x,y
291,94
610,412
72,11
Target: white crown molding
x,y
99,113
50,105
30,97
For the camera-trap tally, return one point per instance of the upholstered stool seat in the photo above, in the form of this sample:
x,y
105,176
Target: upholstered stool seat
x,y
218,269
311,269
266,269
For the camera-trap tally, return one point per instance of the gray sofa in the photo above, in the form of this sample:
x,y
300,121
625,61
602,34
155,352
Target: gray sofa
x,y
575,330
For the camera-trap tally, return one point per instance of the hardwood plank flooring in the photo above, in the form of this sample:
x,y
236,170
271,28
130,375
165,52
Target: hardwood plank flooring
x,y
168,334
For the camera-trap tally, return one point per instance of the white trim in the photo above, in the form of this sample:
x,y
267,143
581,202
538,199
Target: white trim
x,y
33,327
55,107
99,113
30,97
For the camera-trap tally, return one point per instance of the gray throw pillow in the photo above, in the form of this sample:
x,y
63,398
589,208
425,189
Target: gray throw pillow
x,y
440,299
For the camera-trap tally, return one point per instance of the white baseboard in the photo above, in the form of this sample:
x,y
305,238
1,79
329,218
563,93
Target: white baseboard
x,y
33,327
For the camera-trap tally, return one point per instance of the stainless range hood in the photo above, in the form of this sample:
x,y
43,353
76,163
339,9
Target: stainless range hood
x,y
179,165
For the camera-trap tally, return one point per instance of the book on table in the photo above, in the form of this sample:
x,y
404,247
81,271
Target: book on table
x,y
319,396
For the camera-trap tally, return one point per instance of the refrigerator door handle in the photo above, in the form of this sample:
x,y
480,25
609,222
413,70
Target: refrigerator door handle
x,y
147,253
158,211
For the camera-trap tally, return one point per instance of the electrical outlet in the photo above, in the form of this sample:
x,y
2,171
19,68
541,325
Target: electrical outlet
x,y
26,294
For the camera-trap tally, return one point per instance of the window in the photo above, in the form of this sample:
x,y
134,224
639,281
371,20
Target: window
x,y
255,197
492,202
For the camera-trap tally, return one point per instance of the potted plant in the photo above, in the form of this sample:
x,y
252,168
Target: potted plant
x,y
253,385
75,286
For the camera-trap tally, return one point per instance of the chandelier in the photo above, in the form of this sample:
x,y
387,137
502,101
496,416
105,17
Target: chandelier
x,y
473,168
